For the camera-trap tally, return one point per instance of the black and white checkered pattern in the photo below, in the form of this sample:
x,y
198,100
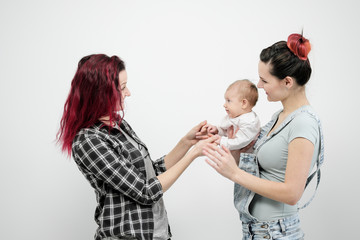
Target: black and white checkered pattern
x,y
116,170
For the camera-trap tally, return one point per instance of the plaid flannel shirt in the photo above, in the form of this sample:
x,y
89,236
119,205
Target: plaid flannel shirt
x,y
116,170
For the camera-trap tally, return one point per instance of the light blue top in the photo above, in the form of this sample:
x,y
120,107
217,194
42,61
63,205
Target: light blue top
x,y
272,158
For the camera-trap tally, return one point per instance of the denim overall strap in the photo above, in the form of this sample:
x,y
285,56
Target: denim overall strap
x,y
248,163
319,162
242,195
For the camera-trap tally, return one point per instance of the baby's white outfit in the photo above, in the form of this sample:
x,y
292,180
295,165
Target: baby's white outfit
x,y
248,125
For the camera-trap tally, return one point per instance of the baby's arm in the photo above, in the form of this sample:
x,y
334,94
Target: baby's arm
x,y
242,136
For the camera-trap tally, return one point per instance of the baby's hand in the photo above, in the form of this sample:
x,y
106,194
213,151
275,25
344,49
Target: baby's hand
x,y
212,129
202,133
206,131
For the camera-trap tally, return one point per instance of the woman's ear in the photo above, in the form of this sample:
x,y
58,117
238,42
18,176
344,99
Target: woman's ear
x,y
288,82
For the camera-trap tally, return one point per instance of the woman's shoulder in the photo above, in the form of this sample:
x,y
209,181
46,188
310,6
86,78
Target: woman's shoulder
x,y
96,131
305,124
306,114
304,121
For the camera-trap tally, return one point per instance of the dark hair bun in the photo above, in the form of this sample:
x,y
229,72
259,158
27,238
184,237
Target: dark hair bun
x,y
299,45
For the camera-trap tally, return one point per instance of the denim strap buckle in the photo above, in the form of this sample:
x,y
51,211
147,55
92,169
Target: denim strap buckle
x,y
282,225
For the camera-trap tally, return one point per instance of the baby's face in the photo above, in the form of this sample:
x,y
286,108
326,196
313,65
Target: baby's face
x,y
233,103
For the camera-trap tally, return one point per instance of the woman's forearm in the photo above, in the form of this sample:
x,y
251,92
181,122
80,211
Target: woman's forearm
x,y
168,178
178,166
278,191
177,153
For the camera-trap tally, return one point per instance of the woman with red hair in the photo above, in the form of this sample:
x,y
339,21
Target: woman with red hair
x,y
270,181
129,186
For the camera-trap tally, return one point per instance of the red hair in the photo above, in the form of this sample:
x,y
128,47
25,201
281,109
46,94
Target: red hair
x,y
299,45
94,94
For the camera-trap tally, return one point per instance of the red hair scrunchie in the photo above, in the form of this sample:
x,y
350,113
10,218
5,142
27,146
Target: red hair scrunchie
x,y
299,45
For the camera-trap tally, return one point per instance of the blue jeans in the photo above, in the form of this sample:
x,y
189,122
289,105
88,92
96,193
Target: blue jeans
x,y
282,229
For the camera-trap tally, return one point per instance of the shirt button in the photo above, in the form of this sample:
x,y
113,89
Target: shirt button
x,y
264,226
267,236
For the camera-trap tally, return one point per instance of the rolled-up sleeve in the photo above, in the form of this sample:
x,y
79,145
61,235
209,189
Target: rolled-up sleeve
x,y
159,166
115,170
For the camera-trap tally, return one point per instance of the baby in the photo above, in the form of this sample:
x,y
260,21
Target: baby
x,y
240,97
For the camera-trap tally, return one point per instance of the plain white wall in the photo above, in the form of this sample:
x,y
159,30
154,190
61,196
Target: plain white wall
x,y
180,56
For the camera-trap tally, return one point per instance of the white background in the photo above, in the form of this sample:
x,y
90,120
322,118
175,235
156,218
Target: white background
x,y
180,57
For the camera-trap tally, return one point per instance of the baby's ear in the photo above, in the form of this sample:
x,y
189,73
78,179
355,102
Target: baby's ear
x,y
245,103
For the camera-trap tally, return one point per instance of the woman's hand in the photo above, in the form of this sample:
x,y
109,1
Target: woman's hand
x,y
221,160
183,146
202,144
178,167
196,134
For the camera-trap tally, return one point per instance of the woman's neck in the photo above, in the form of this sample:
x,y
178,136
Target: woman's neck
x,y
106,120
295,100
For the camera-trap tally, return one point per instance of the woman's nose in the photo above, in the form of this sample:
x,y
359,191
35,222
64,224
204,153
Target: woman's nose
x,y
127,92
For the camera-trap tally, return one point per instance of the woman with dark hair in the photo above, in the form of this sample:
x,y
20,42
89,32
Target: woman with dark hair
x,y
128,185
270,181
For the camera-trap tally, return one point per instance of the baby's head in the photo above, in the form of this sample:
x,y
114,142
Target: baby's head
x,y
240,97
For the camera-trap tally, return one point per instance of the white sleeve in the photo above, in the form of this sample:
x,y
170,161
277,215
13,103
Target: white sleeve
x,y
223,126
221,131
247,132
